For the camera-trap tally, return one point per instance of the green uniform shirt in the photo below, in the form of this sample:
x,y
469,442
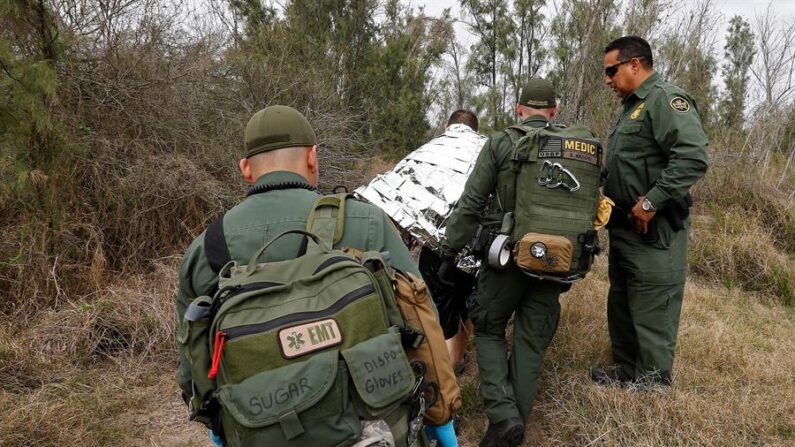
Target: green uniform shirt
x,y
657,148
490,187
260,217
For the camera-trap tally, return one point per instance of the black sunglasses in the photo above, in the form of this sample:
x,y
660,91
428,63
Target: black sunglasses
x,y
613,69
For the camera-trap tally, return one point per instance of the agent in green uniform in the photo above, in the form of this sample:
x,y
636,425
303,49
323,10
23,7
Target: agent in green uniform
x,y
508,386
655,153
281,163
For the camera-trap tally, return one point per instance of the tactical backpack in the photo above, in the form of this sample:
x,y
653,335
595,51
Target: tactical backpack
x,y
301,352
551,229
428,353
418,321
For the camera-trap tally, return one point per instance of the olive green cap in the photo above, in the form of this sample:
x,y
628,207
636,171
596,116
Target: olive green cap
x,y
277,127
538,93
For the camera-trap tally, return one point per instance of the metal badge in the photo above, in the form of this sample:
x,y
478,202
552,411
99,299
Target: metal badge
x,y
538,250
636,113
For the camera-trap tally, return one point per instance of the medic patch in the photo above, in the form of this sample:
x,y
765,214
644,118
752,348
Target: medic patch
x,y
636,113
309,337
680,104
571,148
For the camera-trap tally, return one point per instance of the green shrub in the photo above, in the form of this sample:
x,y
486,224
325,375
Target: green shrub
x,y
735,248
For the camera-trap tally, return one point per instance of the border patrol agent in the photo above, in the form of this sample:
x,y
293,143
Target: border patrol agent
x,y
508,388
656,152
282,165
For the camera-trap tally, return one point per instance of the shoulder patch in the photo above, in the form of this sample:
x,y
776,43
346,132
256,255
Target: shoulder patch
x,y
680,104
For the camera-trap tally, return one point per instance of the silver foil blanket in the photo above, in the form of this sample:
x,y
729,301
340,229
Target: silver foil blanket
x,y
420,191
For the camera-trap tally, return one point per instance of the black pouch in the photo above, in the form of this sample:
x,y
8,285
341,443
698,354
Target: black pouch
x,y
673,218
652,235
678,212
618,220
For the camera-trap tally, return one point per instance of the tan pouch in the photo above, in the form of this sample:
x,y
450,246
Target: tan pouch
x,y
543,253
415,304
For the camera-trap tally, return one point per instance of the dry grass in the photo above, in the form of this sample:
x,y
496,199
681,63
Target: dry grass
x,y
121,322
741,185
738,250
101,373
744,229
733,378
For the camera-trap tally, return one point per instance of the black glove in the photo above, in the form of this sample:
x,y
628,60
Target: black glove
x,y
447,270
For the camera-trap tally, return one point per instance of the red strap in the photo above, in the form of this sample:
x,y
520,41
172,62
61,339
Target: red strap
x,y
218,346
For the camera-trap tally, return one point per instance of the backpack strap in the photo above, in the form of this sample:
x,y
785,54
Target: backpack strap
x,y
215,248
517,134
327,218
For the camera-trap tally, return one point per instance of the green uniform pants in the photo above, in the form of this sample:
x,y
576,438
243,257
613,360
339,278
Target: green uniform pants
x,y
508,385
646,287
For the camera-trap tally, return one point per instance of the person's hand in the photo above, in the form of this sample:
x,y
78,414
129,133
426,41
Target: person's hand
x,y
447,270
640,218
603,212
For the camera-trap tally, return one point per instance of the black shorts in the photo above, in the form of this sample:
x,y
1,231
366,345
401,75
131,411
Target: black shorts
x,y
451,302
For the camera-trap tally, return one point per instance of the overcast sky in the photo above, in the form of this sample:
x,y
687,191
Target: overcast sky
x,y
784,9
745,8
781,9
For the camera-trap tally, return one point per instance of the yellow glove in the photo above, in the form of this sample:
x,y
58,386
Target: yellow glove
x,y
606,205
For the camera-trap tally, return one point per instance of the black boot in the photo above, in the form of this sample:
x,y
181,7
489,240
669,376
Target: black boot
x,y
609,376
507,433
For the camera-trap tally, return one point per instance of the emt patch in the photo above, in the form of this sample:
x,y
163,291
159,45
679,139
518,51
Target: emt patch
x,y
304,338
680,104
571,148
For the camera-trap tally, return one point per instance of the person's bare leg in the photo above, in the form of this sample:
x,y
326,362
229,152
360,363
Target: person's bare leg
x,y
456,345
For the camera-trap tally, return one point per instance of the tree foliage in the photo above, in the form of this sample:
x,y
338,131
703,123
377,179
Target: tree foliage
x,y
738,55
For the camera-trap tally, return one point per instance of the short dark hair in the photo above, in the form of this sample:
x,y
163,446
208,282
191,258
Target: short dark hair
x,y
464,116
632,46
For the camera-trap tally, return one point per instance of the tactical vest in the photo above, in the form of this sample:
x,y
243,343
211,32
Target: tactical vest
x,y
557,172
302,352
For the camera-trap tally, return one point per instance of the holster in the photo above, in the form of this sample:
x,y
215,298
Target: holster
x,y
652,235
677,212
590,248
484,236
619,220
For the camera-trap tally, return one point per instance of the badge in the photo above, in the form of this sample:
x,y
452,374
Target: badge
x,y
636,113
680,104
308,337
